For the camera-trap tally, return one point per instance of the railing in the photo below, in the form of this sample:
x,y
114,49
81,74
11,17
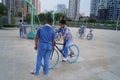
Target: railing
x,y
94,25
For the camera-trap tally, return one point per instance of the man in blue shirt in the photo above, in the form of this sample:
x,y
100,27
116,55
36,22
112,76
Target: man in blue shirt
x,y
44,42
82,30
64,30
20,26
24,27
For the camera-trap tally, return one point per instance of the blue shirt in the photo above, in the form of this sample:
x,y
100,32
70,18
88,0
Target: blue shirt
x,y
20,25
46,34
66,31
82,28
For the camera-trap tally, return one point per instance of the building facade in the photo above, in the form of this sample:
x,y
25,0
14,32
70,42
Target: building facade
x,y
74,8
37,6
113,9
94,9
61,8
102,10
105,9
19,6
4,2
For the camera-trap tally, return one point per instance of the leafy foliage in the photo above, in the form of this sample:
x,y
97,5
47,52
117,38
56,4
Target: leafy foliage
x,y
3,10
59,16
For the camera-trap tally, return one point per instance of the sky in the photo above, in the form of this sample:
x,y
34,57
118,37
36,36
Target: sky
x,y
51,5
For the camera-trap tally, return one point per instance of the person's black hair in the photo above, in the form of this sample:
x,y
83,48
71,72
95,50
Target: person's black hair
x,y
49,20
20,20
62,21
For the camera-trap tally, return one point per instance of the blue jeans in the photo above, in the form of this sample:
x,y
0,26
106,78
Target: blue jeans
x,y
20,32
45,54
25,32
65,48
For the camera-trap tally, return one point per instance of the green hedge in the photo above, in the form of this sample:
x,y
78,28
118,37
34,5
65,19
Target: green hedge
x,y
10,25
0,26
113,27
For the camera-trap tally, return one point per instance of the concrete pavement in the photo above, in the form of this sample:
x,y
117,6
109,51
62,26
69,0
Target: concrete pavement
x,y
99,58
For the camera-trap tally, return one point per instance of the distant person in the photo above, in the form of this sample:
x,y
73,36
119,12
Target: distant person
x,y
44,43
82,30
20,26
65,31
24,27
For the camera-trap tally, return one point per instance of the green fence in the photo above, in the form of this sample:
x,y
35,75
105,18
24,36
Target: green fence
x,y
0,22
104,26
94,25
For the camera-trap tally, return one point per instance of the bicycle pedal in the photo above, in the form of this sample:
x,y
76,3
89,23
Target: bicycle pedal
x,y
71,54
64,60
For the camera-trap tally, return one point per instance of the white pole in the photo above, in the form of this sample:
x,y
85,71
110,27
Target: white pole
x,y
117,23
86,21
22,14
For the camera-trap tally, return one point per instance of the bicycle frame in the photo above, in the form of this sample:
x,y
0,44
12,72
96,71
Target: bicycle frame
x,y
59,48
91,32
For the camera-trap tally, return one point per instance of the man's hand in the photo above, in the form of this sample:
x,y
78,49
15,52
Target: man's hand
x,y
36,42
35,47
56,29
53,47
64,36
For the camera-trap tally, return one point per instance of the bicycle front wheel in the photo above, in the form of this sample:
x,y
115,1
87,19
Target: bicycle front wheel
x,y
73,53
53,60
58,36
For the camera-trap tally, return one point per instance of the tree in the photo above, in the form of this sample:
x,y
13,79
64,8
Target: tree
x,y
19,14
43,16
3,10
91,20
59,16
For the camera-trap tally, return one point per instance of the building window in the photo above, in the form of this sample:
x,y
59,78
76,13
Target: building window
x,y
119,2
118,12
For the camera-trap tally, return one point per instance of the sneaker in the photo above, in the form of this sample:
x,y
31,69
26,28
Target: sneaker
x,y
45,73
34,73
64,59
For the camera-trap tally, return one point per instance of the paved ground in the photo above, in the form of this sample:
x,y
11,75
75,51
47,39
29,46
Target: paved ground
x,y
99,58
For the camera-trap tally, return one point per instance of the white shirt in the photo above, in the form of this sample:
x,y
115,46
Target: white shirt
x,y
48,25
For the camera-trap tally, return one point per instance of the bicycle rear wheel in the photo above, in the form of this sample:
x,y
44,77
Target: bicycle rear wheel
x,y
73,53
54,58
89,36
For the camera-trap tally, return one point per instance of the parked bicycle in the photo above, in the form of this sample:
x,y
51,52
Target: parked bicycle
x,y
73,54
90,35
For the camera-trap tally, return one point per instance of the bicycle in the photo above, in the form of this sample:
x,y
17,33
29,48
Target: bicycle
x,y
90,35
58,36
73,54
